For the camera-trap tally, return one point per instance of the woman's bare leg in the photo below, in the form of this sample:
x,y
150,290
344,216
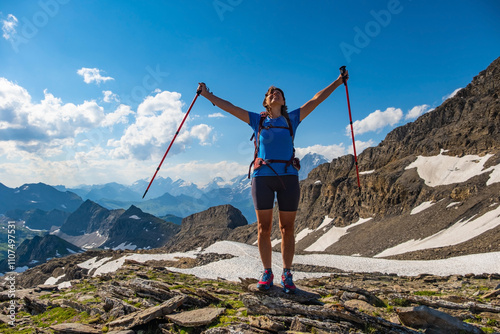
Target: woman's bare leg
x,y
265,223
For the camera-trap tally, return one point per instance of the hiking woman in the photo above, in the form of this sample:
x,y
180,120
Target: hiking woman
x,y
274,172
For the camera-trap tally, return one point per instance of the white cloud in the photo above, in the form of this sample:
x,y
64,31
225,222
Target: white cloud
x,y
418,111
109,96
446,97
202,132
34,126
360,146
9,27
64,143
376,121
118,116
217,115
51,127
330,152
158,118
92,75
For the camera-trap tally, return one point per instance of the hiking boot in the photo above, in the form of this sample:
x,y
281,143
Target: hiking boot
x,y
287,282
266,280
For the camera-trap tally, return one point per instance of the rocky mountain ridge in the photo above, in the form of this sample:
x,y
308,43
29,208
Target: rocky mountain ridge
x,y
37,196
37,250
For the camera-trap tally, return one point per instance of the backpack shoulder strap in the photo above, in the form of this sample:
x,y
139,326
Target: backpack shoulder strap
x,y
289,124
263,116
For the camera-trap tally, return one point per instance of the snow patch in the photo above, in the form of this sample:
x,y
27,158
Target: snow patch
x,y
104,266
275,242
305,232
461,231
332,236
302,234
452,204
421,207
53,280
93,263
367,172
125,246
327,221
63,285
135,217
444,170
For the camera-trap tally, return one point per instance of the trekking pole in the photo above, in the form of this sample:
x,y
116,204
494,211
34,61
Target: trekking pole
x,y
343,72
175,136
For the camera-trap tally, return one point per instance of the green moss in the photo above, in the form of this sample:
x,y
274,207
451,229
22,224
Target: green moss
x,y
7,329
59,314
135,304
92,300
400,302
178,286
232,303
427,293
492,322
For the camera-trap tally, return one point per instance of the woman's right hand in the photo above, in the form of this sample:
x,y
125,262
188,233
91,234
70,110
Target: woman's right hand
x,y
202,88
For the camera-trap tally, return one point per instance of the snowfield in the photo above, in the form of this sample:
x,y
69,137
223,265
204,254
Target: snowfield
x,y
246,264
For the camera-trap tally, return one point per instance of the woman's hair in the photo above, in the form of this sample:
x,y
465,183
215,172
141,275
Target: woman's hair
x,y
284,108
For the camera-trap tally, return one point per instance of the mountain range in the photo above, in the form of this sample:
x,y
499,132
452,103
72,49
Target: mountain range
x,y
179,197
429,190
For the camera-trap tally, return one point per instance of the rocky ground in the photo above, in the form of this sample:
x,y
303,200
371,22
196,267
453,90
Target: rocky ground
x,y
147,298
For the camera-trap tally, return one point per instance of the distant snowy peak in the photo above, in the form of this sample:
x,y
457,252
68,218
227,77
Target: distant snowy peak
x,y
217,183
309,162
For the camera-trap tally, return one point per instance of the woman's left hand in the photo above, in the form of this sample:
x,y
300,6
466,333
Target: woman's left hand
x,y
344,77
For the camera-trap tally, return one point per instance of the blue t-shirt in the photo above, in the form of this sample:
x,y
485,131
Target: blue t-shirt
x,y
275,143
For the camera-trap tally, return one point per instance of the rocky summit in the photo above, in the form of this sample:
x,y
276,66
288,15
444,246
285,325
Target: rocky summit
x,y
147,298
204,228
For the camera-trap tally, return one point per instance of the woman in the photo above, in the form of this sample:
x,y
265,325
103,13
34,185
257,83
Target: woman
x,y
275,142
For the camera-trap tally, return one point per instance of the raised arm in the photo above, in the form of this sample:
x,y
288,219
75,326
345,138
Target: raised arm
x,y
320,96
224,105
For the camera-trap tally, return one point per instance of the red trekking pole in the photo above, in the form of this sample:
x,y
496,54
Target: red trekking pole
x,y
343,72
175,136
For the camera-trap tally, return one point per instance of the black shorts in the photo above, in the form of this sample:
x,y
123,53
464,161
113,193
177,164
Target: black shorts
x,y
265,187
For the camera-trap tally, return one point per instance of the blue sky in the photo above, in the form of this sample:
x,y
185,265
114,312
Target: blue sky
x,y
92,91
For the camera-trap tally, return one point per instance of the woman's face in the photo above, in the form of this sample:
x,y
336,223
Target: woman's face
x,y
275,97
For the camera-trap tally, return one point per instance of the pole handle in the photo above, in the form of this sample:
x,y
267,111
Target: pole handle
x,y
343,73
198,92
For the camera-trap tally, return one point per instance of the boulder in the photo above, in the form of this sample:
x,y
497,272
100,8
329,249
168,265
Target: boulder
x,y
434,321
196,318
